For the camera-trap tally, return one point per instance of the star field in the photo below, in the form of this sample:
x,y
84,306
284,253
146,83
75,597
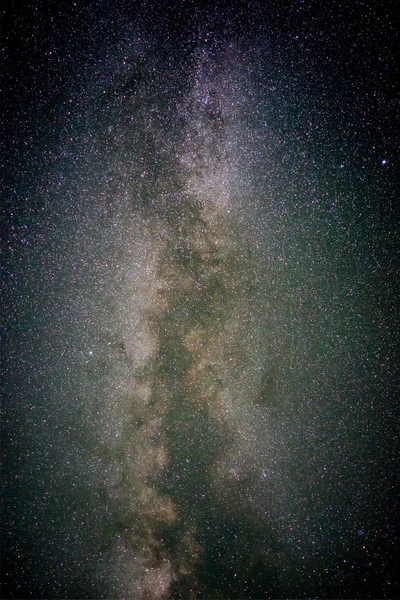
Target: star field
x,y
200,287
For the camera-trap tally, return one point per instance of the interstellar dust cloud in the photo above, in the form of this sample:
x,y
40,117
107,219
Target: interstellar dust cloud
x,y
171,336
193,445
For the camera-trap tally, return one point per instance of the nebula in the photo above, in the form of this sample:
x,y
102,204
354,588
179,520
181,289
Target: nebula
x,y
187,449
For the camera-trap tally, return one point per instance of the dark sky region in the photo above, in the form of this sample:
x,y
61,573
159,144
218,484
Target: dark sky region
x,y
200,207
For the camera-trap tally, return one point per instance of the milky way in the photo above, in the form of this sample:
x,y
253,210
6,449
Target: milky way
x,y
199,344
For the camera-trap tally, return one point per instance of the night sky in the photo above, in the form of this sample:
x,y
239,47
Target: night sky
x,y
200,205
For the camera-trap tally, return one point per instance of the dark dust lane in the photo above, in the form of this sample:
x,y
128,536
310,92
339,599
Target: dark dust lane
x,y
186,461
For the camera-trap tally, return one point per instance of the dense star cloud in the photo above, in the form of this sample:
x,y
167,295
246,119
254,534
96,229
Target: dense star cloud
x,y
199,211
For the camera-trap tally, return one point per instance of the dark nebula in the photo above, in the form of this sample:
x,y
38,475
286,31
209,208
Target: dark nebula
x,y
200,269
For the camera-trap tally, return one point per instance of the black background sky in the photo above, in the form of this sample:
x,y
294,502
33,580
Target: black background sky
x,y
320,129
